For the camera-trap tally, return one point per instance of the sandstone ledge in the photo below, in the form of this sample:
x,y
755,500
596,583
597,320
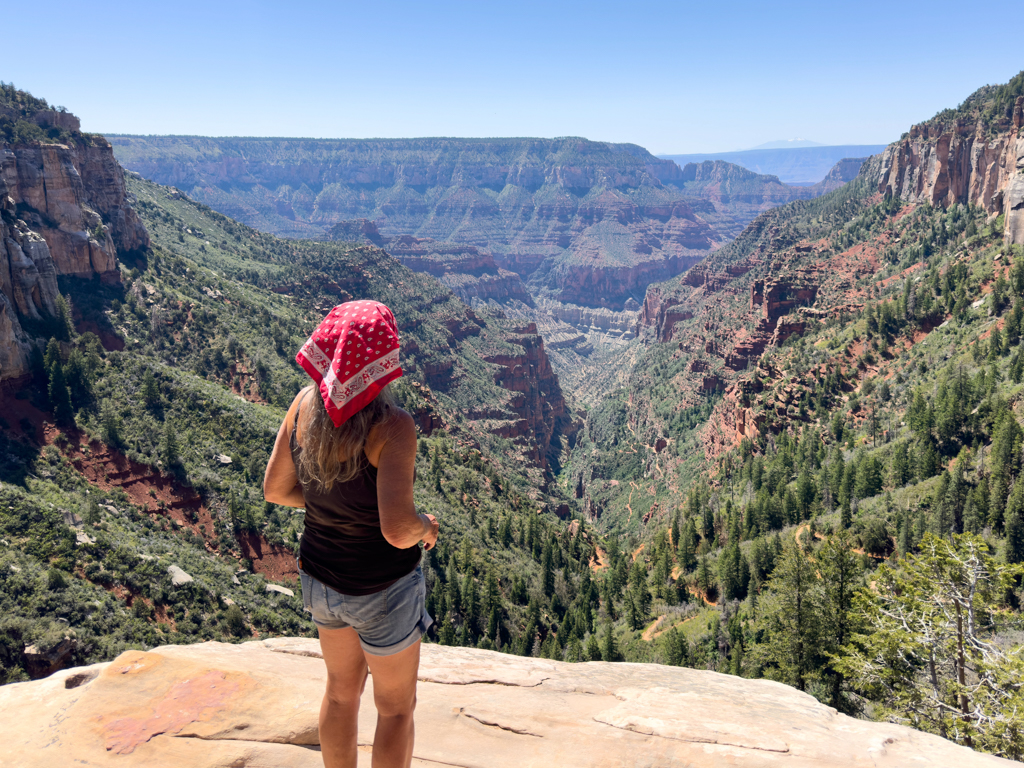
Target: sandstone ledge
x,y
255,705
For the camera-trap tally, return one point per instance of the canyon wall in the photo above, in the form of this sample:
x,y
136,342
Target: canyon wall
x,y
543,414
469,272
962,160
583,222
63,211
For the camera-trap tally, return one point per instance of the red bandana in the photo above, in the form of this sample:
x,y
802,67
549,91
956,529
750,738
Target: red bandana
x,y
352,355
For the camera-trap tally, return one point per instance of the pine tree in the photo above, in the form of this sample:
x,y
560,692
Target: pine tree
x,y
925,663
790,621
1015,524
548,570
505,537
446,636
687,552
64,324
676,648
110,424
60,396
609,649
150,389
77,377
705,582
470,603
840,575
997,500
494,624
169,449
729,573
632,614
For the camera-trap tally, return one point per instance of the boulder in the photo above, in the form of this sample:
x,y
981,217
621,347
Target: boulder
x,y
45,661
279,590
178,576
257,703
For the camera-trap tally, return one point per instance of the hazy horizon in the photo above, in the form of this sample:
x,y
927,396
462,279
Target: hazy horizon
x,y
672,79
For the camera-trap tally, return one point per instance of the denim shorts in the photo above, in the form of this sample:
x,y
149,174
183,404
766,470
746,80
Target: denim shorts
x,y
387,622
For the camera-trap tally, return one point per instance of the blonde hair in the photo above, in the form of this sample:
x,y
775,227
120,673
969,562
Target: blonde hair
x,y
333,454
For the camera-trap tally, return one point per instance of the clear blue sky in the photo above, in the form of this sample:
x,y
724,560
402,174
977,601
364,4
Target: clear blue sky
x,y
673,77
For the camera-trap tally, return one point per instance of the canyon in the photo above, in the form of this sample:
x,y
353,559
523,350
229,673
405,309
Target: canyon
x,y
721,372
758,292
581,222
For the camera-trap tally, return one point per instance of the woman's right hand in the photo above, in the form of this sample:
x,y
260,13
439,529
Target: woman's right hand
x,y
430,537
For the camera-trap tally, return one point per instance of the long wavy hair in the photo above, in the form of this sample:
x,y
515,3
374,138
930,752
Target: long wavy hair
x,y
333,454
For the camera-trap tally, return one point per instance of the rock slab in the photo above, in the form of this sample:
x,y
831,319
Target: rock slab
x,y
256,704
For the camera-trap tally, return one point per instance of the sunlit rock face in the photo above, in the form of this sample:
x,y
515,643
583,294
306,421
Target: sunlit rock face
x,y
63,211
257,704
961,161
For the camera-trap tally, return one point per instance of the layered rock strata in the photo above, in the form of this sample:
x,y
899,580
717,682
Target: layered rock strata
x,y
63,211
962,161
257,704
469,272
543,413
597,222
620,325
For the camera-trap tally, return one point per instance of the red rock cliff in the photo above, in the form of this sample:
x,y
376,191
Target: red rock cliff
x,y
961,162
63,211
539,403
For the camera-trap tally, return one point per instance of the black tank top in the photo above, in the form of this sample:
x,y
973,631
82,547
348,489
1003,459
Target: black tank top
x,y
343,546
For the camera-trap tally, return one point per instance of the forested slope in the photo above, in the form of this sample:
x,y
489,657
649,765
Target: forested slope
x,y
814,470
130,507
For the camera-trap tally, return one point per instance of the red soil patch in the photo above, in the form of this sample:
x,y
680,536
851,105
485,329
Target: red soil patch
x,y
696,592
274,561
998,326
157,494
110,341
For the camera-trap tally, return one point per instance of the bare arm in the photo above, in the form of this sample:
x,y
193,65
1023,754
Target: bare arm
x,y
281,482
399,523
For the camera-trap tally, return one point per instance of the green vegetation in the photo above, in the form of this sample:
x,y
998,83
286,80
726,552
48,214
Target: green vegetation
x,y
887,450
26,119
178,425
992,105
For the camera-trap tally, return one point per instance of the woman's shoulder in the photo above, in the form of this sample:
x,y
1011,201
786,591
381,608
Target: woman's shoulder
x,y
397,431
398,421
292,416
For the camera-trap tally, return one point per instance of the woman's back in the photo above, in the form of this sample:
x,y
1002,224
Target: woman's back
x,y
343,545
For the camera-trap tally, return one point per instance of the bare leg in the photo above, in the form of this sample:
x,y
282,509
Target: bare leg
x,y
394,693
339,712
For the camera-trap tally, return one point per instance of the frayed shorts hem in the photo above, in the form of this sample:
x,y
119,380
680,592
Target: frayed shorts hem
x,y
398,610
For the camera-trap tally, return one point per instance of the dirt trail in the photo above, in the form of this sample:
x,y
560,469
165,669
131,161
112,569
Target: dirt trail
x,y
821,537
601,561
649,632
661,632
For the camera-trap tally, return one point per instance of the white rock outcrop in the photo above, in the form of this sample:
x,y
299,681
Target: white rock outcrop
x,y
178,576
256,704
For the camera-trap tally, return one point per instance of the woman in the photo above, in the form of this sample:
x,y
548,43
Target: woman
x,y
347,454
